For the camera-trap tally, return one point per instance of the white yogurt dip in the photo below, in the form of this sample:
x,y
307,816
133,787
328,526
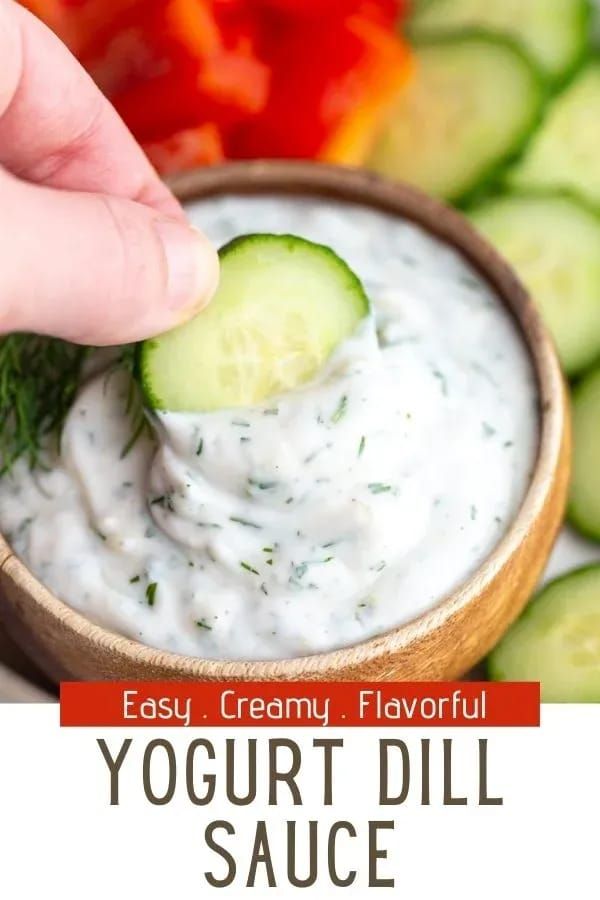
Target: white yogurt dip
x,y
323,517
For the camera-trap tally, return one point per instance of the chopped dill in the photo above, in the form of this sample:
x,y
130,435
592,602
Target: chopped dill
x,y
165,501
246,522
201,623
376,487
134,580
151,593
442,380
249,568
361,446
200,447
301,570
341,410
262,485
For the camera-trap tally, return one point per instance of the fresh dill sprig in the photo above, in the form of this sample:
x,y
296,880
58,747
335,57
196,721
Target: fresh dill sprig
x,y
39,378
134,407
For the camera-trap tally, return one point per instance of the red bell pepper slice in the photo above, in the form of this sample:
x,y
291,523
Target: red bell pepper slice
x,y
178,67
330,88
186,149
383,10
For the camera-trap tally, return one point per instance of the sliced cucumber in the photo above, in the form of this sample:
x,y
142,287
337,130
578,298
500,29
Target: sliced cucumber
x,y
584,501
554,32
556,641
553,242
472,102
565,152
282,306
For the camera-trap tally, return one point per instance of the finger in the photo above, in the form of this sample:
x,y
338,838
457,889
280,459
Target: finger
x,y
96,269
56,128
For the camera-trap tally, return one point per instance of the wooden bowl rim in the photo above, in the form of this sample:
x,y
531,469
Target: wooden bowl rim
x,y
367,189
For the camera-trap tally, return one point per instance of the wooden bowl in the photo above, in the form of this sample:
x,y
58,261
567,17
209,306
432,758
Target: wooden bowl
x,y
440,644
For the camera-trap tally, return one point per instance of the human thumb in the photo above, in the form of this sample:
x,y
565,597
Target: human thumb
x,y
96,269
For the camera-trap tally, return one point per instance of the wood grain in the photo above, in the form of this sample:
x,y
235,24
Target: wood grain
x,y
444,642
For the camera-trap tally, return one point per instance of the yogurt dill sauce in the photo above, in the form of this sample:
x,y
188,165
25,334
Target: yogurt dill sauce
x,y
323,517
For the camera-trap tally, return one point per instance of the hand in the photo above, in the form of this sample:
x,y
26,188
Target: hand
x,y
93,247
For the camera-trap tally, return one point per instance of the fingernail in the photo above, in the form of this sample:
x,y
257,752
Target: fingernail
x,y
193,266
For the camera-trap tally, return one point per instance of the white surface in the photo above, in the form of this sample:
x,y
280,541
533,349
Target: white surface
x,y
60,838
571,552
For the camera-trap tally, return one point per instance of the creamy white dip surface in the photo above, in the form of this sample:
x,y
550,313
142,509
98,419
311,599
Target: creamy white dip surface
x,y
327,515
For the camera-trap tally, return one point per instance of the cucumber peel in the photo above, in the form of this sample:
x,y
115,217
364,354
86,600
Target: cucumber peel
x,y
282,307
556,641
472,103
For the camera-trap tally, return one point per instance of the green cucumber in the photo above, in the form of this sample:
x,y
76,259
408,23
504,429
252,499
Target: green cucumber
x,y
584,500
564,154
554,32
556,641
553,242
282,306
468,109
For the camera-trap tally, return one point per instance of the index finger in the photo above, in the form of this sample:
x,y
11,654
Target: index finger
x,y
56,127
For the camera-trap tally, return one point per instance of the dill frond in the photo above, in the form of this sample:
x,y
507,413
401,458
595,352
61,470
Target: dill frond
x,y
39,378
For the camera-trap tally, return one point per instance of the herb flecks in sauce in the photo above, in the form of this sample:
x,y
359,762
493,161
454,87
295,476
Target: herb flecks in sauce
x,y
376,487
341,410
151,593
204,463
245,522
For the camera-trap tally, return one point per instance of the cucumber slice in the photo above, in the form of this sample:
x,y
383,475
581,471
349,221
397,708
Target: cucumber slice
x,y
282,306
553,242
555,33
556,641
584,500
565,151
472,102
